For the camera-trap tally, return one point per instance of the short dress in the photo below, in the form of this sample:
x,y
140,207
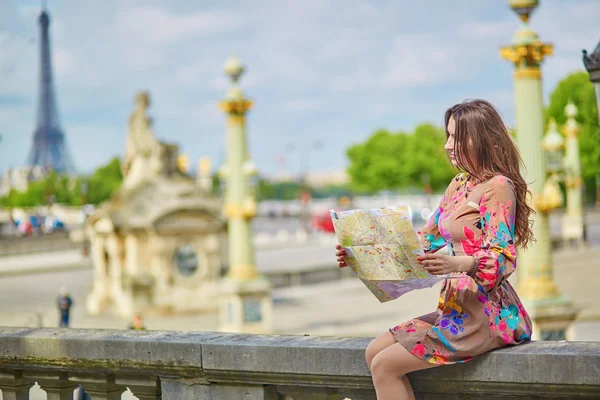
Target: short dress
x,y
480,311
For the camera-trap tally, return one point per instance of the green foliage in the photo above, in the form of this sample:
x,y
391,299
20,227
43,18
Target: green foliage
x,y
578,88
336,191
64,189
267,190
391,161
104,181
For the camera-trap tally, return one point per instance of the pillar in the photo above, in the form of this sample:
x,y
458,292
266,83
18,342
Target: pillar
x,y
245,304
552,313
572,223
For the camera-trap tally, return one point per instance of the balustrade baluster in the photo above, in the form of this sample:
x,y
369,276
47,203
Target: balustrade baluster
x,y
99,386
142,387
56,384
14,386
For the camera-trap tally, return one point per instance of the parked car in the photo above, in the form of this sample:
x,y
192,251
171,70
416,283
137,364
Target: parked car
x,y
322,222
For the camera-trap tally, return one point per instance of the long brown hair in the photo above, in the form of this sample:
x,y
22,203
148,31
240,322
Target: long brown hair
x,y
480,128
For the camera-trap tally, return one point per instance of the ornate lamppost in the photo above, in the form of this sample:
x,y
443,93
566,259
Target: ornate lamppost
x,y
245,303
592,65
552,313
573,226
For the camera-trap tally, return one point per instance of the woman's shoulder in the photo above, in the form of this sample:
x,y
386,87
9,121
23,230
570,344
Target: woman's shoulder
x,y
500,181
499,184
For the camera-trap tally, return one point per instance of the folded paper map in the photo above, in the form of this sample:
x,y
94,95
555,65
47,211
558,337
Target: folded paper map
x,y
382,248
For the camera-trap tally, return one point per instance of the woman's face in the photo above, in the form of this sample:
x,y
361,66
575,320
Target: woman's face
x,y
449,146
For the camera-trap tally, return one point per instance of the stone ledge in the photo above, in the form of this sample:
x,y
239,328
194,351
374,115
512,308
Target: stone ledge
x,y
163,353
299,363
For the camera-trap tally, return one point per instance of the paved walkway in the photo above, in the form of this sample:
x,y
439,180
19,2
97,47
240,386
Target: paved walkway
x,y
335,308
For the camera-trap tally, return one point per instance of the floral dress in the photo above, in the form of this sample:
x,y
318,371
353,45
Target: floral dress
x,y
480,311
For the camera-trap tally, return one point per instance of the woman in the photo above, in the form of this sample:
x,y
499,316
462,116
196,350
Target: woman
x,y
480,221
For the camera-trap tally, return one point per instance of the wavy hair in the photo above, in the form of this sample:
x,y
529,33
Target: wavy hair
x,y
480,128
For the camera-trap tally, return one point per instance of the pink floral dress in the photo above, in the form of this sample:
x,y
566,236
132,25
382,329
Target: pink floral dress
x,y
480,311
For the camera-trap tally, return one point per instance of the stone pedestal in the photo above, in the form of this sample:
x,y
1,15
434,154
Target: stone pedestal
x,y
552,318
246,306
572,230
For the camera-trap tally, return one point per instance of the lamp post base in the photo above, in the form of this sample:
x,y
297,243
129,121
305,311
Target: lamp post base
x,y
246,306
573,230
552,318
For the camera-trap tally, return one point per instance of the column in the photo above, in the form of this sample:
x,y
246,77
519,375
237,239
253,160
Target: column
x,y
572,224
245,304
551,312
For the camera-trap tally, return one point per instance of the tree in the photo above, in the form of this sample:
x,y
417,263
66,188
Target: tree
x,y
426,160
576,87
104,181
379,163
66,189
391,161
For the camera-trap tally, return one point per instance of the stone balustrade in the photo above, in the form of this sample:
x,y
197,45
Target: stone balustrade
x,y
174,365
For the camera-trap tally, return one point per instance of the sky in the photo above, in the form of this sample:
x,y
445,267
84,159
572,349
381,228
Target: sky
x,y
319,71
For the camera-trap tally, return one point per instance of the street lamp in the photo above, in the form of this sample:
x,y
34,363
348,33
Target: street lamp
x,y
553,144
246,304
592,65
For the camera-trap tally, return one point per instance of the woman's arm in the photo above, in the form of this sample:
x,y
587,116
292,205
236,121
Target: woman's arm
x,y
497,256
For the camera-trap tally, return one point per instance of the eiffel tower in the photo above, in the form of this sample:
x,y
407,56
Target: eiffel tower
x,y
49,148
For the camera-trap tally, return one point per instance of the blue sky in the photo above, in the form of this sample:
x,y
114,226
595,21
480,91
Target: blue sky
x,y
332,71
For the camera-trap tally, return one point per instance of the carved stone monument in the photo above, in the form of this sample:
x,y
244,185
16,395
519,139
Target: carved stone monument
x,y
159,243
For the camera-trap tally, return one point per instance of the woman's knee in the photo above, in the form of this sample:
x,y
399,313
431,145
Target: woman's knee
x,y
371,352
377,345
383,368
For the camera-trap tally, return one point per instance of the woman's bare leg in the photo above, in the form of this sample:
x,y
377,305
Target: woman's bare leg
x,y
408,387
389,368
381,342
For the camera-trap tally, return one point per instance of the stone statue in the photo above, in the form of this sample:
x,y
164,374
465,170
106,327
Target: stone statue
x,y
144,154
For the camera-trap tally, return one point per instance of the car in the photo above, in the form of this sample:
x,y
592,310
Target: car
x,y
321,222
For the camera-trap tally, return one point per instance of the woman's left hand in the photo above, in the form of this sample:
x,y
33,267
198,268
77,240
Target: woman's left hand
x,y
440,264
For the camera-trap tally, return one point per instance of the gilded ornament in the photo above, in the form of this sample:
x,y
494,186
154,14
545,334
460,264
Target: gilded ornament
x,y
239,107
243,272
551,197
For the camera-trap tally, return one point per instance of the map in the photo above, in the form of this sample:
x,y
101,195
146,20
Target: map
x,y
382,248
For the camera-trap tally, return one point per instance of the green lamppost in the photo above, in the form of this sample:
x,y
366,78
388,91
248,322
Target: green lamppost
x,y
573,225
551,313
592,65
245,303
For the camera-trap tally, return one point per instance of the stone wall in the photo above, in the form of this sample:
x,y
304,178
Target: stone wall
x,y
176,365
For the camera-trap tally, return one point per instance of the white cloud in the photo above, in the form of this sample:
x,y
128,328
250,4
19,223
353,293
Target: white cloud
x,y
314,68
489,31
412,61
156,26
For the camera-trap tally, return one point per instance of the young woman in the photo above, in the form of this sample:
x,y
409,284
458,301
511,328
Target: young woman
x,y
481,220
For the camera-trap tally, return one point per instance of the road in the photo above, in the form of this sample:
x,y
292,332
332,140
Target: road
x,y
317,252
343,307
320,309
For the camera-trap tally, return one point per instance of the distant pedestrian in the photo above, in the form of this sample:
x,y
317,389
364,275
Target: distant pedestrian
x,y
137,323
64,306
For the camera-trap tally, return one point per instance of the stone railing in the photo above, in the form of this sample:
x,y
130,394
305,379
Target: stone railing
x,y
196,366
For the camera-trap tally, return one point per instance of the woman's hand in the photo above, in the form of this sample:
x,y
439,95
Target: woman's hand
x,y
440,264
340,254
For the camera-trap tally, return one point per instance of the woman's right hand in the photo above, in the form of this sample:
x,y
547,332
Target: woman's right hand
x,y
340,254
